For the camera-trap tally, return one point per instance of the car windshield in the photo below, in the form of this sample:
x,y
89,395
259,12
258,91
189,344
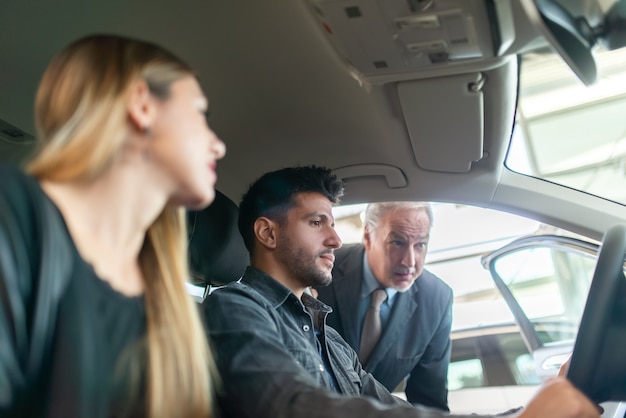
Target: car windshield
x,y
568,133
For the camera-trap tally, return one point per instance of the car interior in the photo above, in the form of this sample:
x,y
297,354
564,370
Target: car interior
x,y
514,106
217,254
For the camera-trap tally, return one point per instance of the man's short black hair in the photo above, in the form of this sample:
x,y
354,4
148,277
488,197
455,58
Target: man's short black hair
x,y
272,195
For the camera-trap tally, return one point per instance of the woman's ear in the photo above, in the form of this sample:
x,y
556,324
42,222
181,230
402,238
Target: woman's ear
x,y
141,106
265,232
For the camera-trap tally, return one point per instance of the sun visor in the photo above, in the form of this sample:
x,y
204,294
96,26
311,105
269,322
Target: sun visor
x,y
446,135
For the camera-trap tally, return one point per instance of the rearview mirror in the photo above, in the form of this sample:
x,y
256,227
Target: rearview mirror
x,y
573,38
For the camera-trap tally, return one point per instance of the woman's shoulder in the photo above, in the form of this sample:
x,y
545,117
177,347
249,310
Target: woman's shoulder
x,y
14,181
10,171
20,193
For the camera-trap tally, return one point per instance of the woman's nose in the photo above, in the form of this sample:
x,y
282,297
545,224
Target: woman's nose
x,y
218,147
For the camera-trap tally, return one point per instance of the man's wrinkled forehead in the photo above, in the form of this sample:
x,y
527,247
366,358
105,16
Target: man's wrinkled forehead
x,y
408,223
407,235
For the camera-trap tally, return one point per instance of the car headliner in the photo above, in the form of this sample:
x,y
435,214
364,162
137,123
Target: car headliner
x,y
281,96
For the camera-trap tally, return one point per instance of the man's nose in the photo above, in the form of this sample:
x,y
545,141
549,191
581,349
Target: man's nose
x,y
409,257
334,240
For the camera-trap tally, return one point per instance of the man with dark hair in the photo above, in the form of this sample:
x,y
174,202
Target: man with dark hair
x,y
273,195
275,355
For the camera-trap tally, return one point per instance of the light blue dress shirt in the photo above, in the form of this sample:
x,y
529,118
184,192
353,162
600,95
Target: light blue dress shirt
x,y
368,285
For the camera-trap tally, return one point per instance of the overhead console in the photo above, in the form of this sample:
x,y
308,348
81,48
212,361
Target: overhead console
x,y
393,40
436,54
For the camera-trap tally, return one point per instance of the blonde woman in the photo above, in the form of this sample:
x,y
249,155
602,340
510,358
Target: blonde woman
x,y
94,317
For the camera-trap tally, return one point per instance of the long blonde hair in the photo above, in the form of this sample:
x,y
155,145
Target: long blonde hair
x,y
81,122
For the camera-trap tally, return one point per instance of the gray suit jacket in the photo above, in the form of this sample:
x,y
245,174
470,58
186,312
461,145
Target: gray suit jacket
x,y
416,340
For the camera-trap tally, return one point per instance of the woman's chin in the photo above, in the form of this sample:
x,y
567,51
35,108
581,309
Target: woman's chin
x,y
197,201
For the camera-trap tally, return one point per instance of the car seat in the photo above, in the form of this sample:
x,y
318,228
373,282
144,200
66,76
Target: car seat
x,y
217,253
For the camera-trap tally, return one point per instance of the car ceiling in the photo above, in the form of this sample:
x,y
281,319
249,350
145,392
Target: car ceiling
x,y
279,93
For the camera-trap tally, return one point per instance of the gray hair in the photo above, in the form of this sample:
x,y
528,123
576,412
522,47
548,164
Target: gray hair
x,y
376,211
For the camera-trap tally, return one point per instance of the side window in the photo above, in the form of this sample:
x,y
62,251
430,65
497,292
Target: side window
x,y
550,284
518,359
465,374
496,357
524,370
466,369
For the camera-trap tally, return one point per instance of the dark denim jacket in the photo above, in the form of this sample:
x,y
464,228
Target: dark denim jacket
x,y
263,338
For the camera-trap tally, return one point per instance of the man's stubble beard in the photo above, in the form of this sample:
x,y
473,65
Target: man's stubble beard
x,y
302,265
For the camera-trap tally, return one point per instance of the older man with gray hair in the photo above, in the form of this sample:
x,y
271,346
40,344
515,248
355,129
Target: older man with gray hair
x,y
395,314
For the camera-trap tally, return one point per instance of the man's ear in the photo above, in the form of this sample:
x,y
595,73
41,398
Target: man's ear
x,y
265,231
367,238
141,106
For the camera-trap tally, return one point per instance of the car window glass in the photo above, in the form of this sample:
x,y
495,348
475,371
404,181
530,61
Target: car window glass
x,y
568,133
465,374
551,286
493,356
518,359
525,372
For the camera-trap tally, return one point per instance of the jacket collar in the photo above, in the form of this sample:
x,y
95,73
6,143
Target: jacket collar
x,y
347,286
275,293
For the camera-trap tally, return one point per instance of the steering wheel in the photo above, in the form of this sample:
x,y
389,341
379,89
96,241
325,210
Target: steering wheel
x,y
598,364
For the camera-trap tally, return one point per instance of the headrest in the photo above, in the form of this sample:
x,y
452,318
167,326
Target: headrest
x,y
217,254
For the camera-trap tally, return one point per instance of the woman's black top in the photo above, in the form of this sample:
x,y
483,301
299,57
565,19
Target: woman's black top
x,y
92,346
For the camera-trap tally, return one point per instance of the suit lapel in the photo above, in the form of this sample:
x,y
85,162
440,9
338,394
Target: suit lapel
x,y
348,291
403,308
